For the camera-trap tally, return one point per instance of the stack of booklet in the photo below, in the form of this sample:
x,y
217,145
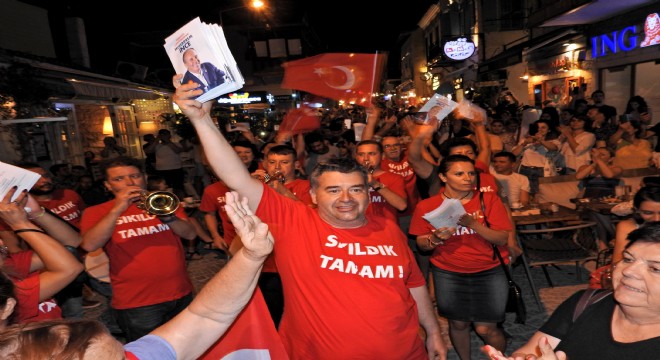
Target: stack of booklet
x,y
200,52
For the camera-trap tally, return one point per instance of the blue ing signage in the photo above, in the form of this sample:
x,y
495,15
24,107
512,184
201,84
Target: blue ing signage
x,y
627,39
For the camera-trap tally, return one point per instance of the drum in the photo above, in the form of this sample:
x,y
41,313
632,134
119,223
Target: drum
x,y
97,265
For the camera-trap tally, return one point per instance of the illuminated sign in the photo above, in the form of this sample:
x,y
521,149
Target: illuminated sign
x,y
459,49
627,38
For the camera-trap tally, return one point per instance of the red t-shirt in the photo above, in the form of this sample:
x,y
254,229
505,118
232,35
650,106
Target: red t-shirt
x,y
347,291
27,288
147,260
378,205
404,169
466,251
300,188
213,199
66,204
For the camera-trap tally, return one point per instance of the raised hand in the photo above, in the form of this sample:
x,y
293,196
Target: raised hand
x,y
257,241
183,97
13,212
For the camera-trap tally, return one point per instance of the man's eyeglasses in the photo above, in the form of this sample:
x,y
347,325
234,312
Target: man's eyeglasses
x,y
391,146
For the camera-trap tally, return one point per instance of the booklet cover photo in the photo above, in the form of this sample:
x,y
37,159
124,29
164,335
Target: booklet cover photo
x,y
199,51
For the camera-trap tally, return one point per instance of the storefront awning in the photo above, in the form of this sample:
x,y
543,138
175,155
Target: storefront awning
x,y
109,91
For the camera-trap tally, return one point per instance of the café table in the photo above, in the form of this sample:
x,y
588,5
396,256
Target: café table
x,y
598,205
529,216
548,237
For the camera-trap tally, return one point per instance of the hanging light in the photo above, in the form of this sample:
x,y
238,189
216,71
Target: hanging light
x,y
148,127
107,126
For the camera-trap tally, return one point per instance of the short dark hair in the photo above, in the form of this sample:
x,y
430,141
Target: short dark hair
x,y
506,154
312,138
370,142
54,169
282,150
118,161
342,165
647,233
246,144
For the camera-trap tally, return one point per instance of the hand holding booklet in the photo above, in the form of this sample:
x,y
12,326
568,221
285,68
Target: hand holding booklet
x,y
11,175
199,51
446,215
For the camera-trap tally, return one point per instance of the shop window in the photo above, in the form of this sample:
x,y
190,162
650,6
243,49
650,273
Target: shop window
x,y
616,85
647,85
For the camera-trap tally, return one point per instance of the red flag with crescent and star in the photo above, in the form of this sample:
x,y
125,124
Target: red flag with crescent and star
x,y
251,336
303,119
350,77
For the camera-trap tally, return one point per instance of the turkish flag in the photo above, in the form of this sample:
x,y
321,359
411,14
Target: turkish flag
x,y
301,120
340,76
251,336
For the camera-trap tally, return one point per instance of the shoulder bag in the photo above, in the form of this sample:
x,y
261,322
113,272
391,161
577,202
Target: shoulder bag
x,y
515,303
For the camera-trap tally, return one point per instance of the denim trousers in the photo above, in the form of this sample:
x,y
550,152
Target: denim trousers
x,y
140,321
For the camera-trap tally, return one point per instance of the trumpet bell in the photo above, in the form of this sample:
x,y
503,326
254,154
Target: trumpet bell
x,y
159,203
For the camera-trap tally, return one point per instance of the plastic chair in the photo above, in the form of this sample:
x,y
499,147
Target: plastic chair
x,y
556,245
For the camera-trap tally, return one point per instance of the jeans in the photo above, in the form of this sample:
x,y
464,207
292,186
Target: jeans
x,y
140,321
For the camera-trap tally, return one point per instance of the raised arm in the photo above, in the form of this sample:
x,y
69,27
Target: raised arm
x,y
373,115
223,298
56,265
420,165
221,156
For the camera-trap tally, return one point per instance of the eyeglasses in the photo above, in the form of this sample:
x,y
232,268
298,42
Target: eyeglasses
x,y
576,119
391,146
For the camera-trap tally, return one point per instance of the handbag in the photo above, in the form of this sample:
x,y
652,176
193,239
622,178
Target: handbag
x,y
514,303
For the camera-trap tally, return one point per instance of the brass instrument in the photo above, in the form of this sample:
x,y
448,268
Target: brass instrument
x,y
276,176
369,168
158,203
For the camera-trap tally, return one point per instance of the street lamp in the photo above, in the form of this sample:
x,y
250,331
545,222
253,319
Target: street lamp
x,y
254,4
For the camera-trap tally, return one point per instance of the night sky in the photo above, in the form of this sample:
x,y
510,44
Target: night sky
x,y
343,27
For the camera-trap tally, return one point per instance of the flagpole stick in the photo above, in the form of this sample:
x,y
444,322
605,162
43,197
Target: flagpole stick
x,y
373,78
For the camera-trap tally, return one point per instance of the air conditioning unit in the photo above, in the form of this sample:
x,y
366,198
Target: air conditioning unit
x,y
131,71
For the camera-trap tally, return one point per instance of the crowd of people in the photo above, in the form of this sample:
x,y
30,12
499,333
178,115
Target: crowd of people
x,y
348,264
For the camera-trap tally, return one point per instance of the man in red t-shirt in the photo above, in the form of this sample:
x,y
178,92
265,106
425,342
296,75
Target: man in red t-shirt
x,y
344,272
387,190
280,173
148,274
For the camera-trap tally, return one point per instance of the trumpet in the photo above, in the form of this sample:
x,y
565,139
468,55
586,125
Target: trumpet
x,y
276,176
159,203
368,166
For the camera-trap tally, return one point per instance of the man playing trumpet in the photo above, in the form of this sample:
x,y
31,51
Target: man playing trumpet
x,y
280,174
386,190
150,284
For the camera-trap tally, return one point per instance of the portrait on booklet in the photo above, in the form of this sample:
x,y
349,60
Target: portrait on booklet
x,y
199,51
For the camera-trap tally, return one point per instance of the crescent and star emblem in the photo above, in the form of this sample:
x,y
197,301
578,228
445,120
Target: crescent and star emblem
x,y
350,77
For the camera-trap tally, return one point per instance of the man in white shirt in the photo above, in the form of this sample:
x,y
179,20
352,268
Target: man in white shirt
x,y
514,188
